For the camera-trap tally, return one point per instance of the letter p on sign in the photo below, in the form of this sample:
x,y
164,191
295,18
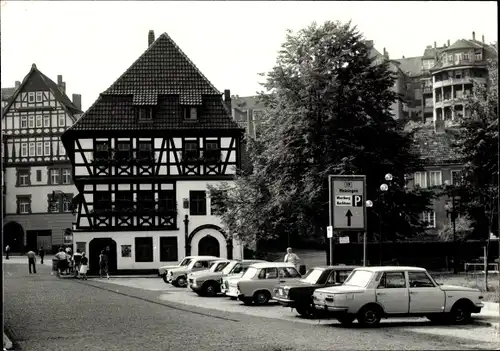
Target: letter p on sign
x,y
357,200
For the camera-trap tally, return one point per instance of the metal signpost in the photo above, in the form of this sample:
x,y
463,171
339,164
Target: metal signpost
x,y
347,206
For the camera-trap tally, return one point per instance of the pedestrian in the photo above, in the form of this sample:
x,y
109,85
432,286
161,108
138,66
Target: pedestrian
x,y
41,253
61,261
84,267
77,259
103,264
31,261
69,257
7,250
292,258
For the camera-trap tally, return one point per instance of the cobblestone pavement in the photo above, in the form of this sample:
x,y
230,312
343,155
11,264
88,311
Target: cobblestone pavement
x,y
43,312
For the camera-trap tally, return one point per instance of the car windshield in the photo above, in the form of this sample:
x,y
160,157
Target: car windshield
x,y
229,268
250,273
185,262
359,278
217,267
312,276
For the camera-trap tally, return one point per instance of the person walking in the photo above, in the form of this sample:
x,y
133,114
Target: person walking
x,y
7,250
84,266
31,261
41,253
61,261
103,264
292,258
77,259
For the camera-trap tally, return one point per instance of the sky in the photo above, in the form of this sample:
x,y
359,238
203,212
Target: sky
x,y
91,43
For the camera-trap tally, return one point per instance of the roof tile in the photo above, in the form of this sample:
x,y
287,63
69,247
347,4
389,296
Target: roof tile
x,y
437,148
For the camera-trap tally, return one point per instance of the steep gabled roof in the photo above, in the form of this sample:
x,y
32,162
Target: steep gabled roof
x,y
51,85
163,69
163,77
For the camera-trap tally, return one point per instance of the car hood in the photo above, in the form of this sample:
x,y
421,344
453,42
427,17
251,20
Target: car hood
x,y
457,288
206,274
169,267
342,289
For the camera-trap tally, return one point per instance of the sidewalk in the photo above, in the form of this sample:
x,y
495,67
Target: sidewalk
x,y
490,314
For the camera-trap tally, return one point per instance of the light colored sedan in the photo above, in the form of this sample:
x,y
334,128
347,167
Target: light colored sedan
x,y
163,270
178,276
372,293
256,285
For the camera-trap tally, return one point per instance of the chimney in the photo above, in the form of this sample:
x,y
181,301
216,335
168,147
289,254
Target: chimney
x,y
151,37
386,54
435,51
483,39
439,127
18,84
227,99
473,35
60,84
77,101
448,42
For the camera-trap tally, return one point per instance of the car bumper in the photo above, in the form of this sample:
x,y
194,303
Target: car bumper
x,y
331,309
284,301
233,293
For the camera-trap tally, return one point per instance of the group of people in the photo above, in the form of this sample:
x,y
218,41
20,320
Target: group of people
x,y
70,263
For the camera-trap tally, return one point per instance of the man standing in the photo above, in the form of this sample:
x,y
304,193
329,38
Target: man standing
x,y
41,253
31,260
7,250
61,261
77,259
292,258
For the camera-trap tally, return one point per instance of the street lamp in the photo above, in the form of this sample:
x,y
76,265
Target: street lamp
x,y
452,213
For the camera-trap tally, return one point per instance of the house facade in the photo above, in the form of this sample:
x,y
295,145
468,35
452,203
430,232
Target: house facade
x,y
143,156
38,186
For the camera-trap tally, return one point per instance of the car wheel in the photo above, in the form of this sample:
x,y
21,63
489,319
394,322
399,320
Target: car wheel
x,y
210,290
305,311
165,278
460,314
370,316
261,297
346,319
181,282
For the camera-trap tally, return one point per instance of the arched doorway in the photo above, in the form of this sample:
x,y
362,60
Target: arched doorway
x,y
13,235
209,246
95,248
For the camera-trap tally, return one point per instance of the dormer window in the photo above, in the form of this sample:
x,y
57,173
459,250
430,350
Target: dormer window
x,y
145,114
191,113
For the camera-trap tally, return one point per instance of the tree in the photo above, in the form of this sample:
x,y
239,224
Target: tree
x,y
479,145
463,226
328,112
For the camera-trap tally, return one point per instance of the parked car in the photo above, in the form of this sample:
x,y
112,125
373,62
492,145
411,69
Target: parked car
x,y
163,270
208,283
298,295
178,276
257,282
372,293
235,276
197,279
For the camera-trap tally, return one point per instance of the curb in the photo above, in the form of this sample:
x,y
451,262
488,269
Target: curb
x,y
7,344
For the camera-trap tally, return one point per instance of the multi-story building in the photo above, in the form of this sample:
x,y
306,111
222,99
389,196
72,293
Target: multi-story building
x,y
143,156
247,111
37,173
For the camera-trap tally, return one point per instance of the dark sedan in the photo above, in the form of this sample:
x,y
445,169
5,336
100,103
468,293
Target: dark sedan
x,y
299,295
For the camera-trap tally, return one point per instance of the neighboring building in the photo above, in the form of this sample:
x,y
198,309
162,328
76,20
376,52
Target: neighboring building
x,y
247,111
7,93
35,162
143,156
442,163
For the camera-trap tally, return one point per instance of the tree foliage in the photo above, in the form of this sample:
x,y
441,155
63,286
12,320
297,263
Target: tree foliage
x,y
463,226
479,147
328,113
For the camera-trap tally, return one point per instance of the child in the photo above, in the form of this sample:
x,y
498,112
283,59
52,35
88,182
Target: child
x,y
84,266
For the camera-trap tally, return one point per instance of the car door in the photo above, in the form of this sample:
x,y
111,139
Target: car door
x,y
425,296
268,278
392,292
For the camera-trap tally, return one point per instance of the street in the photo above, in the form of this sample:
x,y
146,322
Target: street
x,y
44,312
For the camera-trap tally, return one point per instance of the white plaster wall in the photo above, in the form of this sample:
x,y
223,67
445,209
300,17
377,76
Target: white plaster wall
x,y
38,193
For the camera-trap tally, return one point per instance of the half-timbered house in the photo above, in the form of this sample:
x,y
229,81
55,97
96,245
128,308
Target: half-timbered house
x,y
143,155
38,187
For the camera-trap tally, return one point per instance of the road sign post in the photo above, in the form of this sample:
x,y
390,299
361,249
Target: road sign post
x,y
347,195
